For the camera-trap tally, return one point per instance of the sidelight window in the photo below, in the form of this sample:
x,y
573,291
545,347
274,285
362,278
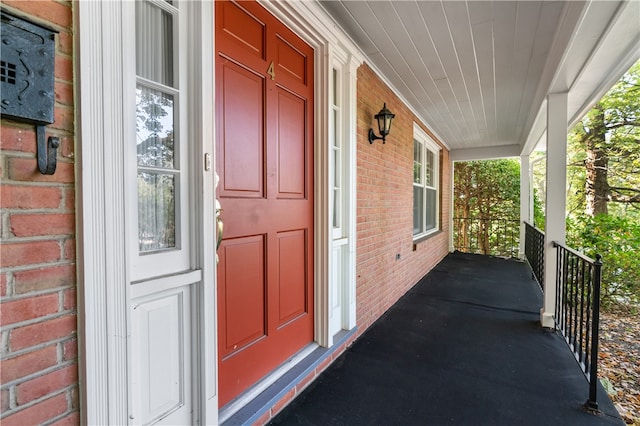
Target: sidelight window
x,y
160,158
157,139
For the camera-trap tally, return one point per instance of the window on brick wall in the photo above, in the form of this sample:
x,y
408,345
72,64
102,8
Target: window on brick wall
x,y
426,184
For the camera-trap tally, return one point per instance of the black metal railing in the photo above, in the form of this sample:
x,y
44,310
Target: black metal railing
x,y
578,310
534,252
492,236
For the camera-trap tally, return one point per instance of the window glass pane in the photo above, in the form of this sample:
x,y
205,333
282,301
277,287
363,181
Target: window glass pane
x,y
156,211
154,128
336,129
336,187
417,162
154,43
336,168
335,86
429,181
418,213
430,209
336,208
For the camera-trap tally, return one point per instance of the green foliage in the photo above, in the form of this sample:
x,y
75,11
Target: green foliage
x,y
538,162
538,211
487,206
617,240
488,188
612,129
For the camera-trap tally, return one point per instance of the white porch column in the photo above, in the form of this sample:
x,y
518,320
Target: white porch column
x,y
452,194
525,200
555,225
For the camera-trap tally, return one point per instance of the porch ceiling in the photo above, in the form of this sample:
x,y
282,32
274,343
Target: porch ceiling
x,y
478,72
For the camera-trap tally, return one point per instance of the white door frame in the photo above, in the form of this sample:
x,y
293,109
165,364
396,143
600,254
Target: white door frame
x,y
103,266
103,306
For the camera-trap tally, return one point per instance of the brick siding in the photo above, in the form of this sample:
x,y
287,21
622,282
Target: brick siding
x,y
385,205
38,276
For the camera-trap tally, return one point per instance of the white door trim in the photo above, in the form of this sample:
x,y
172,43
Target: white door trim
x,y
202,76
103,270
102,327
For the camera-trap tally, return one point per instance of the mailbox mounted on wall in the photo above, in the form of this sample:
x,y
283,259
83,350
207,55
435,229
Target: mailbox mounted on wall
x,y
27,59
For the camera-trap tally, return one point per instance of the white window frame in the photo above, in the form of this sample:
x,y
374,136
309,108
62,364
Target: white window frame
x,y
337,146
341,294
150,264
428,144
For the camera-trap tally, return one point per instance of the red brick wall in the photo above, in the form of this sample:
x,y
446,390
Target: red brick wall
x,y
38,280
385,205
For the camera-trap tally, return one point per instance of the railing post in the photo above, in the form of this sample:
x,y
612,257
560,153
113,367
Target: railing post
x,y
592,403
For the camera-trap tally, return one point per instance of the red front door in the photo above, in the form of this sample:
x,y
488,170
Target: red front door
x,y
264,102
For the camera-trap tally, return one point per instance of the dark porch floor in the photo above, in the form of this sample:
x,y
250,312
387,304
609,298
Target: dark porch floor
x,y
463,347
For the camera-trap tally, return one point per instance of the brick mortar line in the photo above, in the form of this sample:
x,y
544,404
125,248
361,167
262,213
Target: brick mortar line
x,y
31,128
52,210
31,184
37,401
31,156
11,327
39,347
35,239
21,296
35,266
40,373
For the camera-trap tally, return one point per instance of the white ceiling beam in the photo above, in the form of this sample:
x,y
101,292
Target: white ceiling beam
x,y
485,153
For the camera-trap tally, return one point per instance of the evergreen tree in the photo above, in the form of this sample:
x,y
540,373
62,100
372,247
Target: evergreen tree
x,y
605,144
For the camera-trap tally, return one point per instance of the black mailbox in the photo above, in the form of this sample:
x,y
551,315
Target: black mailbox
x,y
26,70
27,58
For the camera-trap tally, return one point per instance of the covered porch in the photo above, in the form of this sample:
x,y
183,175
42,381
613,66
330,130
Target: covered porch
x,y
463,346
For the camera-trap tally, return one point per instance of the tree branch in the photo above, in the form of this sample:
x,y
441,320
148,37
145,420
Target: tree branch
x,y
622,124
620,189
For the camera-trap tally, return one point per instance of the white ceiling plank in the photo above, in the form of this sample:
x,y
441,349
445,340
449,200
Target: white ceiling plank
x,y
412,19
483,42
439,29
504,32
478,72
351,21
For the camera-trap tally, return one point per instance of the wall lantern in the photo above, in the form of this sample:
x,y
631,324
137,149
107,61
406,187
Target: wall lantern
x,y
384,118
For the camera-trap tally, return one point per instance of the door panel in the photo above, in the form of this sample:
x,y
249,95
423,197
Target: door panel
x,y
292,283
242,144
242,263
291,61
161,357
244,29
264,102
291,153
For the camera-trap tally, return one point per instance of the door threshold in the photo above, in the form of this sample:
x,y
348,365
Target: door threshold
x,y
251,405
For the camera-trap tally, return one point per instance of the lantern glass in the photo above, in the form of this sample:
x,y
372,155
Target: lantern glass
x,y
384,118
